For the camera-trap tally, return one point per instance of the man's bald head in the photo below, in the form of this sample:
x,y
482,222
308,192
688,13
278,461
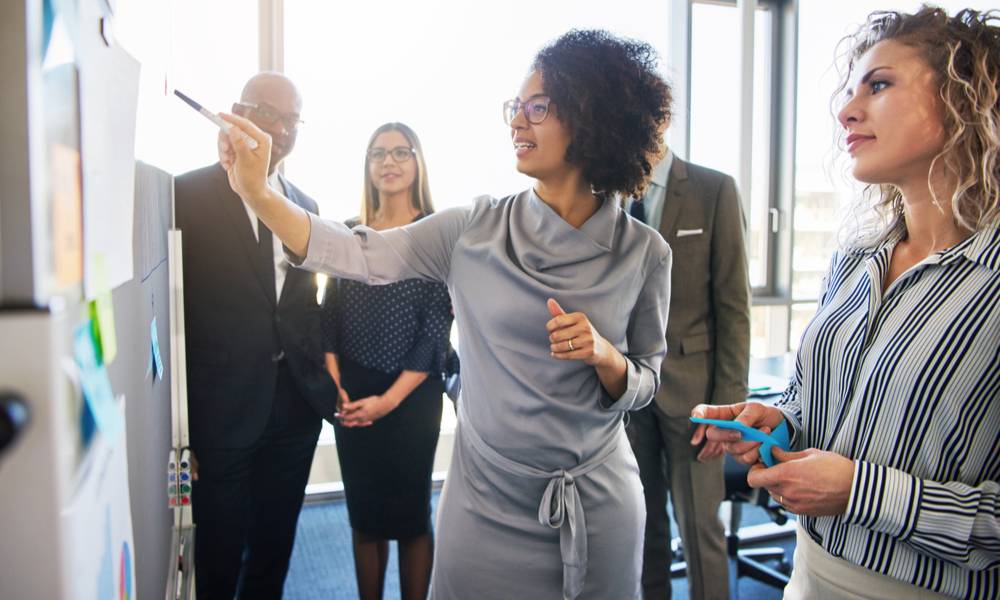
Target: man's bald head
x,y
273,103
271,87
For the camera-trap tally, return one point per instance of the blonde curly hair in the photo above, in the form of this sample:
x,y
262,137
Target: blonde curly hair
x,y
965,52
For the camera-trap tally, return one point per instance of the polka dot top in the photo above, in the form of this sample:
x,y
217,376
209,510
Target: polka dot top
x,y
390,328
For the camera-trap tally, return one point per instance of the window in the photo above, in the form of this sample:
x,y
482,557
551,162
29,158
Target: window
x,y
715,109
823,186
444,68
794,48
181,47
715,101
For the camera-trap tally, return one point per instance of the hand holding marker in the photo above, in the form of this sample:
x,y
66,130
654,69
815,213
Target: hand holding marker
x,y
224,126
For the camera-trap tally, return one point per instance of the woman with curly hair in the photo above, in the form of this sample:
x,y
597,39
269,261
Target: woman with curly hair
x,y
561,301
895,402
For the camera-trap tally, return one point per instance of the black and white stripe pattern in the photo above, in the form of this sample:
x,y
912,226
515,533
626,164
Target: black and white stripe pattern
x,y
907,384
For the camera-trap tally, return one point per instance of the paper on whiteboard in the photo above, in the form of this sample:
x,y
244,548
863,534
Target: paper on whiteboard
x,y
99,522
109,92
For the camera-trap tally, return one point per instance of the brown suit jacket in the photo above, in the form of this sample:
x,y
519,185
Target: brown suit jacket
x,y
708,330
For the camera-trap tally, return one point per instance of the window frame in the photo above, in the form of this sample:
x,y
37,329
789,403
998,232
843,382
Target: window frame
x,y
776,286
776,291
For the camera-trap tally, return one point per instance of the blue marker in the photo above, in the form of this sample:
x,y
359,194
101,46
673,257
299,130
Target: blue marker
x,y
778,437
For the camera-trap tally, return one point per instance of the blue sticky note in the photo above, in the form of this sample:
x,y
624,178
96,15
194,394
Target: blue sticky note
x,y
779,437
157,359
95,382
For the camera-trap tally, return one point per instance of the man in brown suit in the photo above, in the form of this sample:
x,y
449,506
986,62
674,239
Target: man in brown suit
x,y
698,212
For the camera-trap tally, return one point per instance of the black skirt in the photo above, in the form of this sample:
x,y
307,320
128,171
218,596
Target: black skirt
x,y
387,466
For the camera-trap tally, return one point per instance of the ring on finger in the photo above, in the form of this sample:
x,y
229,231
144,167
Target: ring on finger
x,y
570,342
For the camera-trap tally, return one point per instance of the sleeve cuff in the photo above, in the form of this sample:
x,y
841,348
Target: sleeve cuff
x,y
303,262
795,440
291,258
883,499
424,359
636,379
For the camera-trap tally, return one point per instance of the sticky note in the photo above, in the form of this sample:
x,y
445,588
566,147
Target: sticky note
x,y
102,314
95,382
154,340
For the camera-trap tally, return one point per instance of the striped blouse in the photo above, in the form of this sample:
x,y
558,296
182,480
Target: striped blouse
x,y
907,384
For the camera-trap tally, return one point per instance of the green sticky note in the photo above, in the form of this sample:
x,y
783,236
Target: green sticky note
x,y
102,313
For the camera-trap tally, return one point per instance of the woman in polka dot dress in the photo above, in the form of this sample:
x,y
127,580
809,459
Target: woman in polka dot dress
x,y
387,346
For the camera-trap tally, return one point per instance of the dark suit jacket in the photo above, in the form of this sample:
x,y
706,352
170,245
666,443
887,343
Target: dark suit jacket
x,y
234,331
708,329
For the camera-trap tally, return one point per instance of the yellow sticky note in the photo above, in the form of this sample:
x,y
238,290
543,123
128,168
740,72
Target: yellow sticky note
x,y
102,313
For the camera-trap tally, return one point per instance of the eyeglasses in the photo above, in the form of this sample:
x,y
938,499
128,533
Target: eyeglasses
x,y
535,108
399,154
270,115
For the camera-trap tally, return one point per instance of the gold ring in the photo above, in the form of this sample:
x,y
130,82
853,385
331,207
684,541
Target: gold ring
x,y
570,342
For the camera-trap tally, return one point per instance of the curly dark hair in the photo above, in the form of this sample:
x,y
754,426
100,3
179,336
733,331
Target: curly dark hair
x,y
607,92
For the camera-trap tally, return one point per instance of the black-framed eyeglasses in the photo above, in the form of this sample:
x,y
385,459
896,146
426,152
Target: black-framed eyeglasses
x,y
399,154
266,113
535,108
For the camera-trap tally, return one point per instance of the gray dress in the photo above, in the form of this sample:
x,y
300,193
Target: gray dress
x,y
543,498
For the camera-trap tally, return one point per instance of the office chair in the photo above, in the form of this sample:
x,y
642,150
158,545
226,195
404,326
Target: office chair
x,y
748,562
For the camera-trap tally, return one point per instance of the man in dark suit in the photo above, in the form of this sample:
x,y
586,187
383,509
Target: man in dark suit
x,y
257,388
698,212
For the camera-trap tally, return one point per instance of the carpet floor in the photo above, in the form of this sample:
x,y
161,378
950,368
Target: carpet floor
x,y
322,566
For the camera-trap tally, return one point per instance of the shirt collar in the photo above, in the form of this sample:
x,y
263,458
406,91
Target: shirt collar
x,y
661,172
982,248
600,227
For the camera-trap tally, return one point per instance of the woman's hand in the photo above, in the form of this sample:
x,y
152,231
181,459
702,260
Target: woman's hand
x,y
573,337
754,414
364,412
815,483
710,451
333,368
342,399
247,169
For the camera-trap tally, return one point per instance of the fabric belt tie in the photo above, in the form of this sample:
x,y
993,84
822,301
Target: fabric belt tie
x,y
560,507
